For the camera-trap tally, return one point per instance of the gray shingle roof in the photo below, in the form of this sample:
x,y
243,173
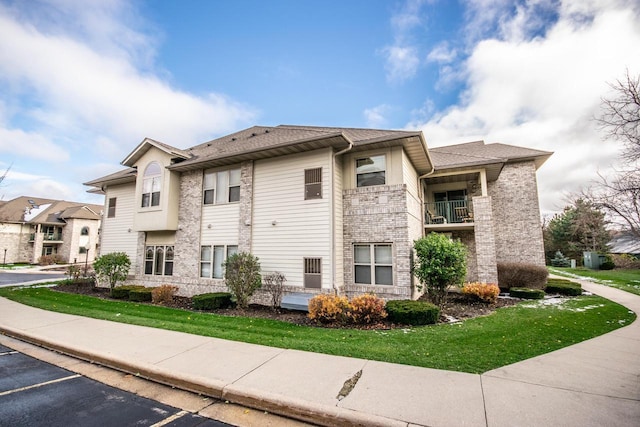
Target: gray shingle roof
x,y
479,153
53,211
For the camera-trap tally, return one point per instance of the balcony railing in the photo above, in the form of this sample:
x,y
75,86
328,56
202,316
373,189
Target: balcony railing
x,y
52,237
453,212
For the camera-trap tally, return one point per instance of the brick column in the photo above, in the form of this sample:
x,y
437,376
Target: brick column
x,y
186,263
246,207
485,240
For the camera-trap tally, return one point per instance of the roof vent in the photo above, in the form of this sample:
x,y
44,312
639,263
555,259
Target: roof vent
x,y
233,139
266,131
253,134
209,144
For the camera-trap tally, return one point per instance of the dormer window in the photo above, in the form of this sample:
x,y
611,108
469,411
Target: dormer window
x,y
151,185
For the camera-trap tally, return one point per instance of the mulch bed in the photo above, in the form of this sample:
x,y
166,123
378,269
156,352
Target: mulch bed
x,y
458,307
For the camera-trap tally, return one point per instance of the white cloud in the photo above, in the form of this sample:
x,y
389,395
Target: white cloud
x,y
442,53
402,58
80,86
376,117
543,90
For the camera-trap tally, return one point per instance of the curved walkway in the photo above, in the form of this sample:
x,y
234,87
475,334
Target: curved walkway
x,y
594,383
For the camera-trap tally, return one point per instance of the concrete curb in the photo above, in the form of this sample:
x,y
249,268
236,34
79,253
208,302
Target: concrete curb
x,y
299,409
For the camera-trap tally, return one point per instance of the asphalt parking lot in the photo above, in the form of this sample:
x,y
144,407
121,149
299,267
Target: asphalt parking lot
x,y
36,393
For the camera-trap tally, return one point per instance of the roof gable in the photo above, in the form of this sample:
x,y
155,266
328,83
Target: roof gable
x,y
148,144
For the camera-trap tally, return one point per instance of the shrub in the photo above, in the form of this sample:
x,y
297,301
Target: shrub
x,y
485,292
608,263
366,309
625,261
122,292
559,260
242,276
328,309
49,259
563,287
141,295
442,262
113,267
273,283
409,312
212,301
163,294
526,293
521,275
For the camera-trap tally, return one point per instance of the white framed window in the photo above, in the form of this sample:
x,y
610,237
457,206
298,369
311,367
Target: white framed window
x,y
371,171
158,260
212,258
313,184
111,211
151,185
221,187
373,263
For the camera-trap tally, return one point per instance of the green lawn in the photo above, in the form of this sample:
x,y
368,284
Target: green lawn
x,y
626,280
478,345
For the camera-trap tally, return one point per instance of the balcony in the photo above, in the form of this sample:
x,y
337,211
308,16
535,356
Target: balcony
x,y
449,215
52,237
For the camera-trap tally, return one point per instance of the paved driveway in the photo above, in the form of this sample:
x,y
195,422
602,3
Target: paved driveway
x,y
10,278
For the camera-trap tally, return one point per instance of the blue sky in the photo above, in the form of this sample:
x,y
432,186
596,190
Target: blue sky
x,y
83,82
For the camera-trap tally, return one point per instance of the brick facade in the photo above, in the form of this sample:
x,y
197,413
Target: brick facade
x,y
517,228
378,214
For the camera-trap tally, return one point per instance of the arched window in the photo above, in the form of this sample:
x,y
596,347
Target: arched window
x,y
151,185
84,231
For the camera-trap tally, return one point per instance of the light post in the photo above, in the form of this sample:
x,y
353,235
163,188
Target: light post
x,y
4,261
86,259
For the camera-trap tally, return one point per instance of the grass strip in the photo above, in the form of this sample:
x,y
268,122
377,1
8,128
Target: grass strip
x,y
625,280
509,335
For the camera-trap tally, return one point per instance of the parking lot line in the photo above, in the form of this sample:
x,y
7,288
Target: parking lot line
x,y
16,390
170,419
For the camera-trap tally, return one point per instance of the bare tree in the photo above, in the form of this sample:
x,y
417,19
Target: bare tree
x,y
619,194
620,117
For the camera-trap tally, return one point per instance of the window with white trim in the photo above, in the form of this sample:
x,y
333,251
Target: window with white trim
x,y
212,258
313,184
151,185
373,264
370,171
111,210
158,260
221,187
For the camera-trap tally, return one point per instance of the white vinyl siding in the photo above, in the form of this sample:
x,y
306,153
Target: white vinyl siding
x,y
286,227
220,224
117,234
338,233
414,205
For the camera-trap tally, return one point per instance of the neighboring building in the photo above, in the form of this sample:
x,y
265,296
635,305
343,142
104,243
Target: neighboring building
x,y
31,227
334,209
624,242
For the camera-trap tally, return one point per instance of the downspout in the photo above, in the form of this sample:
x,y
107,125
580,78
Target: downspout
x,y
333,214
421,195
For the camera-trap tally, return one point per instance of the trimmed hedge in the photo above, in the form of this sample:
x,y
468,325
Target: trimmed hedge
x,y
526,293
409,312
521,275
563,287
122,292
212,301
141,295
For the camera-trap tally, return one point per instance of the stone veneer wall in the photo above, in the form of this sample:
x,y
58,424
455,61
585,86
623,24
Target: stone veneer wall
x,y
485,239
378,214
467,237
17,244
246,207
518,231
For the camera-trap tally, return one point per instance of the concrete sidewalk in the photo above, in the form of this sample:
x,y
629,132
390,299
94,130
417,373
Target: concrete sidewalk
x,y
593,383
